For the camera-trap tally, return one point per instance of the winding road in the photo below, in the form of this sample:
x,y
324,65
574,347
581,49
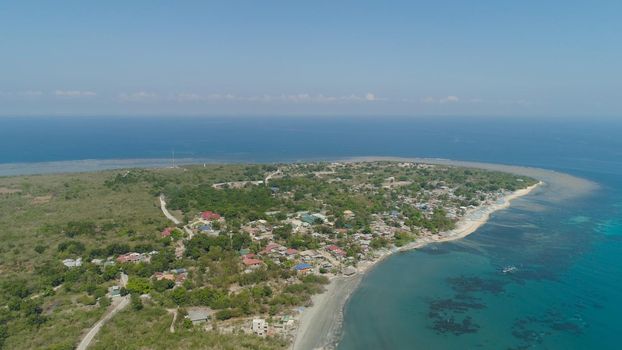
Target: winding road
x,y
277,172
166,212
88,338
121,303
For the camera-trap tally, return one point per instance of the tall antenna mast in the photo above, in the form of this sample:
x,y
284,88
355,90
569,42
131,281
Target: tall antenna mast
x,y
173,157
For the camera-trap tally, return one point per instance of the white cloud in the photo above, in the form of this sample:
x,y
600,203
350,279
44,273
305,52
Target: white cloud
x,y
472,101
74,93
282,98
26,93
194,97
140,96
441,100
449,99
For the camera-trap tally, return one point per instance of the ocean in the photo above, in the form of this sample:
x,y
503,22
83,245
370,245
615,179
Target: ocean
x,y
563,293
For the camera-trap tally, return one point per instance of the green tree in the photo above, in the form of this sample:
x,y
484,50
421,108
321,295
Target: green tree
x,y
138,285
180,296
136,303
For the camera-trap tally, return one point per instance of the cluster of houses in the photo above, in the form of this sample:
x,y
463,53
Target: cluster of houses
x,y
71,263
306,261
258,230
208,222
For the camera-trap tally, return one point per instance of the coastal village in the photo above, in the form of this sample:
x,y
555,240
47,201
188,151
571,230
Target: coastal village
x,y
237,252
337,244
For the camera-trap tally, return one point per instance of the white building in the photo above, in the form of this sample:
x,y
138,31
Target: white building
x,y
72,263
260,327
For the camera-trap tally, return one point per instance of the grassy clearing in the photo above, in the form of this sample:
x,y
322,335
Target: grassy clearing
x,y
149,329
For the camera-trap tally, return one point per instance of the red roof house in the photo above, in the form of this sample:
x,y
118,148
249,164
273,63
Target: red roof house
x,y
129,257
270,248
167,232
336,250
252,262
210,215
291,251
249,256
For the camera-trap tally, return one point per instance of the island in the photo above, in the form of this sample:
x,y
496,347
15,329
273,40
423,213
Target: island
x,y
223,256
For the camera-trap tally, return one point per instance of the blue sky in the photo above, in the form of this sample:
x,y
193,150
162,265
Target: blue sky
x,y
531,58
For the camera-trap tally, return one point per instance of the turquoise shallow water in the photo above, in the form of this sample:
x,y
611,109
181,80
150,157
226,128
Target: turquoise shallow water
x,y
564,293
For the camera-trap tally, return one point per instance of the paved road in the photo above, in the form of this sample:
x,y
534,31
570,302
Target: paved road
x,y
166,212
88,338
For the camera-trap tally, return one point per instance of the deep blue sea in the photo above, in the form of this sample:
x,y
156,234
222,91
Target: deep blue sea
x,y
566,292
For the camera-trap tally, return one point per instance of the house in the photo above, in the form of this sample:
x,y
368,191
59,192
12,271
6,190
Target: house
x,y
72,263
249,256
133,257
291,252
115,291
321,217
309,219
167,232
109,261
259,327
199,315
164,276
336,251
296,224
284,322
252,263
349,271
303,268
210,215
270,248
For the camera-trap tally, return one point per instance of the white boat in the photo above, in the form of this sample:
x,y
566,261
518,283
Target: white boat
x,y
509,269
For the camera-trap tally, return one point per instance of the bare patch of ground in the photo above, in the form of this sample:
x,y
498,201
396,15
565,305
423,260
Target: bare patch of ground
x,y
6,190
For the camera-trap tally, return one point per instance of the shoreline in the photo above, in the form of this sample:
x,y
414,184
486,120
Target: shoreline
x,y
320,326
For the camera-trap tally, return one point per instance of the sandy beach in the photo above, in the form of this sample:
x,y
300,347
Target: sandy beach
x,y
320,325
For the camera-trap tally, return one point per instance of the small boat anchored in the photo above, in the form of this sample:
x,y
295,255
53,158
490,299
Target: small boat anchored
x,y
509,269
